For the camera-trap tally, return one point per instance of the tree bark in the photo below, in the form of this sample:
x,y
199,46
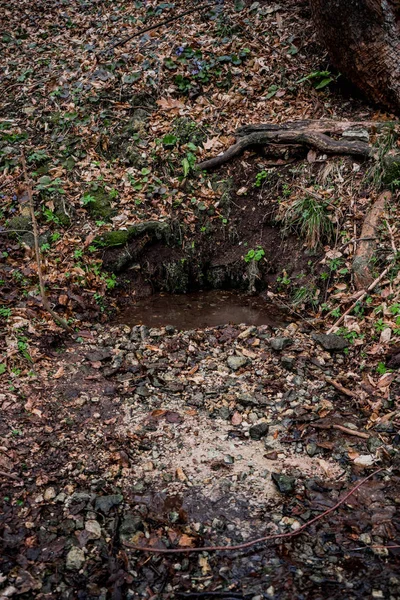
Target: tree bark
x,y
363,40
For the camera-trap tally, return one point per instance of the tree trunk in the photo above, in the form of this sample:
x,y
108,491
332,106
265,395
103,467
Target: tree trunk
x,y
363,41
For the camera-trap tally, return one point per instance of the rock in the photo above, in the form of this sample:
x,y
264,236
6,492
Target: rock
x,y
49,494
288,362
130,525
75,559
236,362
284,483
94,529
330,341
169,329
373,443
106,503
258,431
311,448
280,343
364,460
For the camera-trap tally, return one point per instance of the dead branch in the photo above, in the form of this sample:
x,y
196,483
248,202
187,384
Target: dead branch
x,y
317,125
360,298
9,475
341,388
259,540
46,304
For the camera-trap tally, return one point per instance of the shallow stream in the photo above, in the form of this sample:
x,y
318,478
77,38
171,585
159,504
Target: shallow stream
x,y
202,309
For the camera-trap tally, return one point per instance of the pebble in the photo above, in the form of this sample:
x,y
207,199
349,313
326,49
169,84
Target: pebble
x,y
284,483
93,527
106,503
236,362
258,431
75,559
49,494
331,341
280,343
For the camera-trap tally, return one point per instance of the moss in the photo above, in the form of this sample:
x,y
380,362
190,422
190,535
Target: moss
x,y
188,131
176,277
20,227
391,171
158,229
111,239
101,207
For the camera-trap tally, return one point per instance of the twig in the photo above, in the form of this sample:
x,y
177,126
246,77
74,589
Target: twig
x,y
341,388
46,304
360,298
359,434
10,475
157,25
259,540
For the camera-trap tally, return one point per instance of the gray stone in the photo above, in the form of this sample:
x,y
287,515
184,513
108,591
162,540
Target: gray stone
x,y
280,343
284,483
258,431
237,362
288,362
130,525
330,341
311,448
106,503
75,559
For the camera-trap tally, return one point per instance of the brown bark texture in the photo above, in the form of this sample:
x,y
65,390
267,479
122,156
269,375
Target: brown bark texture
x,y
363,41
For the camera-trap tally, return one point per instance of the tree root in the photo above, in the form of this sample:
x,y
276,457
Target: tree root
x,y
310,133
366,248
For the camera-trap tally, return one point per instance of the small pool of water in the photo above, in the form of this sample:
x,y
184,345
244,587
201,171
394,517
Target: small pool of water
x,y
202,309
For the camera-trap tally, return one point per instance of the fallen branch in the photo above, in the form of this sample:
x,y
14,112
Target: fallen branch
x,y
9,475
256,541
46,304
354,432
341,388
157,25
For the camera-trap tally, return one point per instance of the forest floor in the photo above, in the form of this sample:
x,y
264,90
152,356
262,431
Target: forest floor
x,y
117,436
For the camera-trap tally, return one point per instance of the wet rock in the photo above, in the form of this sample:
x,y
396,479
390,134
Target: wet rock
x,y
130,525
169,329
106,503
75,559
364,460
258,431
284,483
236,362
331,341
280,343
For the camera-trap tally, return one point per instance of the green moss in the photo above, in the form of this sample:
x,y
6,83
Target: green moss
x,y
391,171
111,239
188,131
101,207
20,227
158,229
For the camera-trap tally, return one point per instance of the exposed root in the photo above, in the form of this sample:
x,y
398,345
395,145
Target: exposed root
x,y
311,134
366,248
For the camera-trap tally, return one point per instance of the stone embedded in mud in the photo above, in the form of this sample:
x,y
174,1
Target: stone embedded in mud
x,y
75,559
288,362
280,343
284,483
258,431
330,341
93,528
237,362
106,503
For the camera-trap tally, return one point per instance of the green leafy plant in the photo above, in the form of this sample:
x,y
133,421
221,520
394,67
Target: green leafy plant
x,y
87,198
5,313
319,79
260,177
255,255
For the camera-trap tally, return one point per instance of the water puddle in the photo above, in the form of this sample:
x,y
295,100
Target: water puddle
x,y
202,309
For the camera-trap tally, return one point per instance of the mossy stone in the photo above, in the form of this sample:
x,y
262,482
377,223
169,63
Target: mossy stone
x,y
20,227
188,131
176,277
111,239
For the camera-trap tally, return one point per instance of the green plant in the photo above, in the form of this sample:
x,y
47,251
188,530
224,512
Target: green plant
x,y
284,279
255,255
5,313
381,368
3,368
23,348
380,325
305,295
309,217
49,186
260,177
319,79
87,198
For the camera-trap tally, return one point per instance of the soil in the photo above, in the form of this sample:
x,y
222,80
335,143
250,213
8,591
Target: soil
x,y
172,430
